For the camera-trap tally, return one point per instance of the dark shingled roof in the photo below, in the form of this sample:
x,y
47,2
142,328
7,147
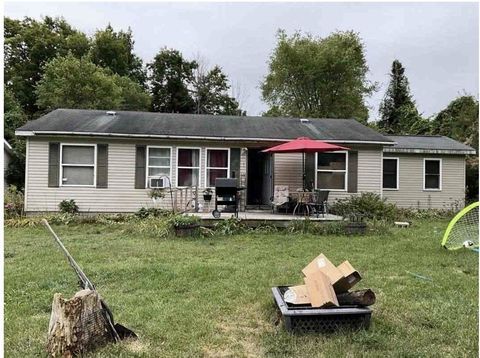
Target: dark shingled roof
x,y
423,142
193,125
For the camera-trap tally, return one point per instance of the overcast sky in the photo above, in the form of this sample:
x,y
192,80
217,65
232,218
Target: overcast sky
x,y
436,42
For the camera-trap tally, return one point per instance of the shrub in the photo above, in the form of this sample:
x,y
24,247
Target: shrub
x,y
303,226
184,221
144,213
13,199
369,205
68,207
230,226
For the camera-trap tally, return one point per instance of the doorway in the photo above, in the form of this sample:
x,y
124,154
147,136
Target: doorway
x,y
259,178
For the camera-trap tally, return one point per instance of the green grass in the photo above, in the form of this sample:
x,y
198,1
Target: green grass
x,y
211,296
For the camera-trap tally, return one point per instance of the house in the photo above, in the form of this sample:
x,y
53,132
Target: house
x,y
108,161
7,158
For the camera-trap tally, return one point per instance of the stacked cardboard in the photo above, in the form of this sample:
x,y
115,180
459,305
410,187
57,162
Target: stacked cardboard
x,y
323,281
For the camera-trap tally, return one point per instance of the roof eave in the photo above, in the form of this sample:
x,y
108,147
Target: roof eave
x,y
24,133
429,151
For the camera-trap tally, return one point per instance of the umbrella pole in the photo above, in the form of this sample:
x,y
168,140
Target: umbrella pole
x,y
303,170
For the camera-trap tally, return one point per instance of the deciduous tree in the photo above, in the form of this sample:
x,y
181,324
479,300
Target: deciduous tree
x,y
171,77
318,77
69,82
210,93
29,45
114,50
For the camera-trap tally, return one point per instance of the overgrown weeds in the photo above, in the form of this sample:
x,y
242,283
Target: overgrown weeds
x,y
369,205
13,202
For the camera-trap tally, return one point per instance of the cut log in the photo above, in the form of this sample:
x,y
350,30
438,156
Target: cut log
x,y
77,325
360,297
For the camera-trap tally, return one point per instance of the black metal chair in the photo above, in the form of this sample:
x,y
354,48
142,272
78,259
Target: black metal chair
x,y
320,202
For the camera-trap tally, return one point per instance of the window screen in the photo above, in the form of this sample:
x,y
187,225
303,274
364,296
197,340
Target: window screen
x,y
432,174
390,174
78,165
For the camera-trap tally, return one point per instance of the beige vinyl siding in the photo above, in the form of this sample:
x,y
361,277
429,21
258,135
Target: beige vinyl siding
x,y
288,171
121,195
411,194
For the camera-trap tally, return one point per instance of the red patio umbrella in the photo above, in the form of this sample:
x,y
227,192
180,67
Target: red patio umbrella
x,y
304,145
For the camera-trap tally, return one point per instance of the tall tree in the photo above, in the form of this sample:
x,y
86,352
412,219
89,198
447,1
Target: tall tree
x,y
171,77
210,93
398,113
114,50
29,45
69,82
459,120
318,77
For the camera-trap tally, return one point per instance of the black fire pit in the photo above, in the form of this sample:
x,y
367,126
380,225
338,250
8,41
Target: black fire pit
x,y
305,318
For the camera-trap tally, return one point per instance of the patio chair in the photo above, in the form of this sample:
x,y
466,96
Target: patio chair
x,y
280,197
320,202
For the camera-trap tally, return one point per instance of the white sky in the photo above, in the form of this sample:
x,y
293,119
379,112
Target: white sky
x,y
438,43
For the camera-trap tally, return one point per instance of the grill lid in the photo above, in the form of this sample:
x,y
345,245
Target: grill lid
x,y
226,183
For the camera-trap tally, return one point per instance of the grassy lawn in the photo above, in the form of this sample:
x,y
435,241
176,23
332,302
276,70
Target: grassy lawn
x,y
211,296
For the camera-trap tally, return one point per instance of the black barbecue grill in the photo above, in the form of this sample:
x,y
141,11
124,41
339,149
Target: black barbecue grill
x,y
226,193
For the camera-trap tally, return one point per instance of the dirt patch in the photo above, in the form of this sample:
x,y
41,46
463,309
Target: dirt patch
x,y
136,346
241,334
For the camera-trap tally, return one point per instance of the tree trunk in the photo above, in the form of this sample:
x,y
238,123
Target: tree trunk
x,y
77,325
360,297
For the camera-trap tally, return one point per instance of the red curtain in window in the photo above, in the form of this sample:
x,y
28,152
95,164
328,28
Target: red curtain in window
x,y
218,158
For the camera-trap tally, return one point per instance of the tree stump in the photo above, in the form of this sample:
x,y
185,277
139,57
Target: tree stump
x,y
77,325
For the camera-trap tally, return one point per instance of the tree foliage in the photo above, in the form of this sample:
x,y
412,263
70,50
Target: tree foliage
x,y
69,82
318,77
171,75
210,93
114,50
398,113
29,45
14,116
459,120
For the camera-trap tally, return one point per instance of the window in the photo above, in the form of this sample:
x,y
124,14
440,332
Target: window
x,y
432,174
390,173
331,171
77,164
218,161
188,166
158,163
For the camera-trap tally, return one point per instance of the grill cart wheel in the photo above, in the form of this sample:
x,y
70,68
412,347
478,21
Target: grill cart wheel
x,y
216,214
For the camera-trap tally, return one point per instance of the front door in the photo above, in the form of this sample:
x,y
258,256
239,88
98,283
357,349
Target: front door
x,y
259,177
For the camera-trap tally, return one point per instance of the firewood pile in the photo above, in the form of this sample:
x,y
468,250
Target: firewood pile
x,y
328,286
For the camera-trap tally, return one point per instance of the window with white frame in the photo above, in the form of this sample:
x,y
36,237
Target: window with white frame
x,y
159,164
218,161
432,174
390,173
77,164
332,171
188,166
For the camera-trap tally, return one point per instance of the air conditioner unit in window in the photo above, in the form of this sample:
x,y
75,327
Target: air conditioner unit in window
x,y
158,182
